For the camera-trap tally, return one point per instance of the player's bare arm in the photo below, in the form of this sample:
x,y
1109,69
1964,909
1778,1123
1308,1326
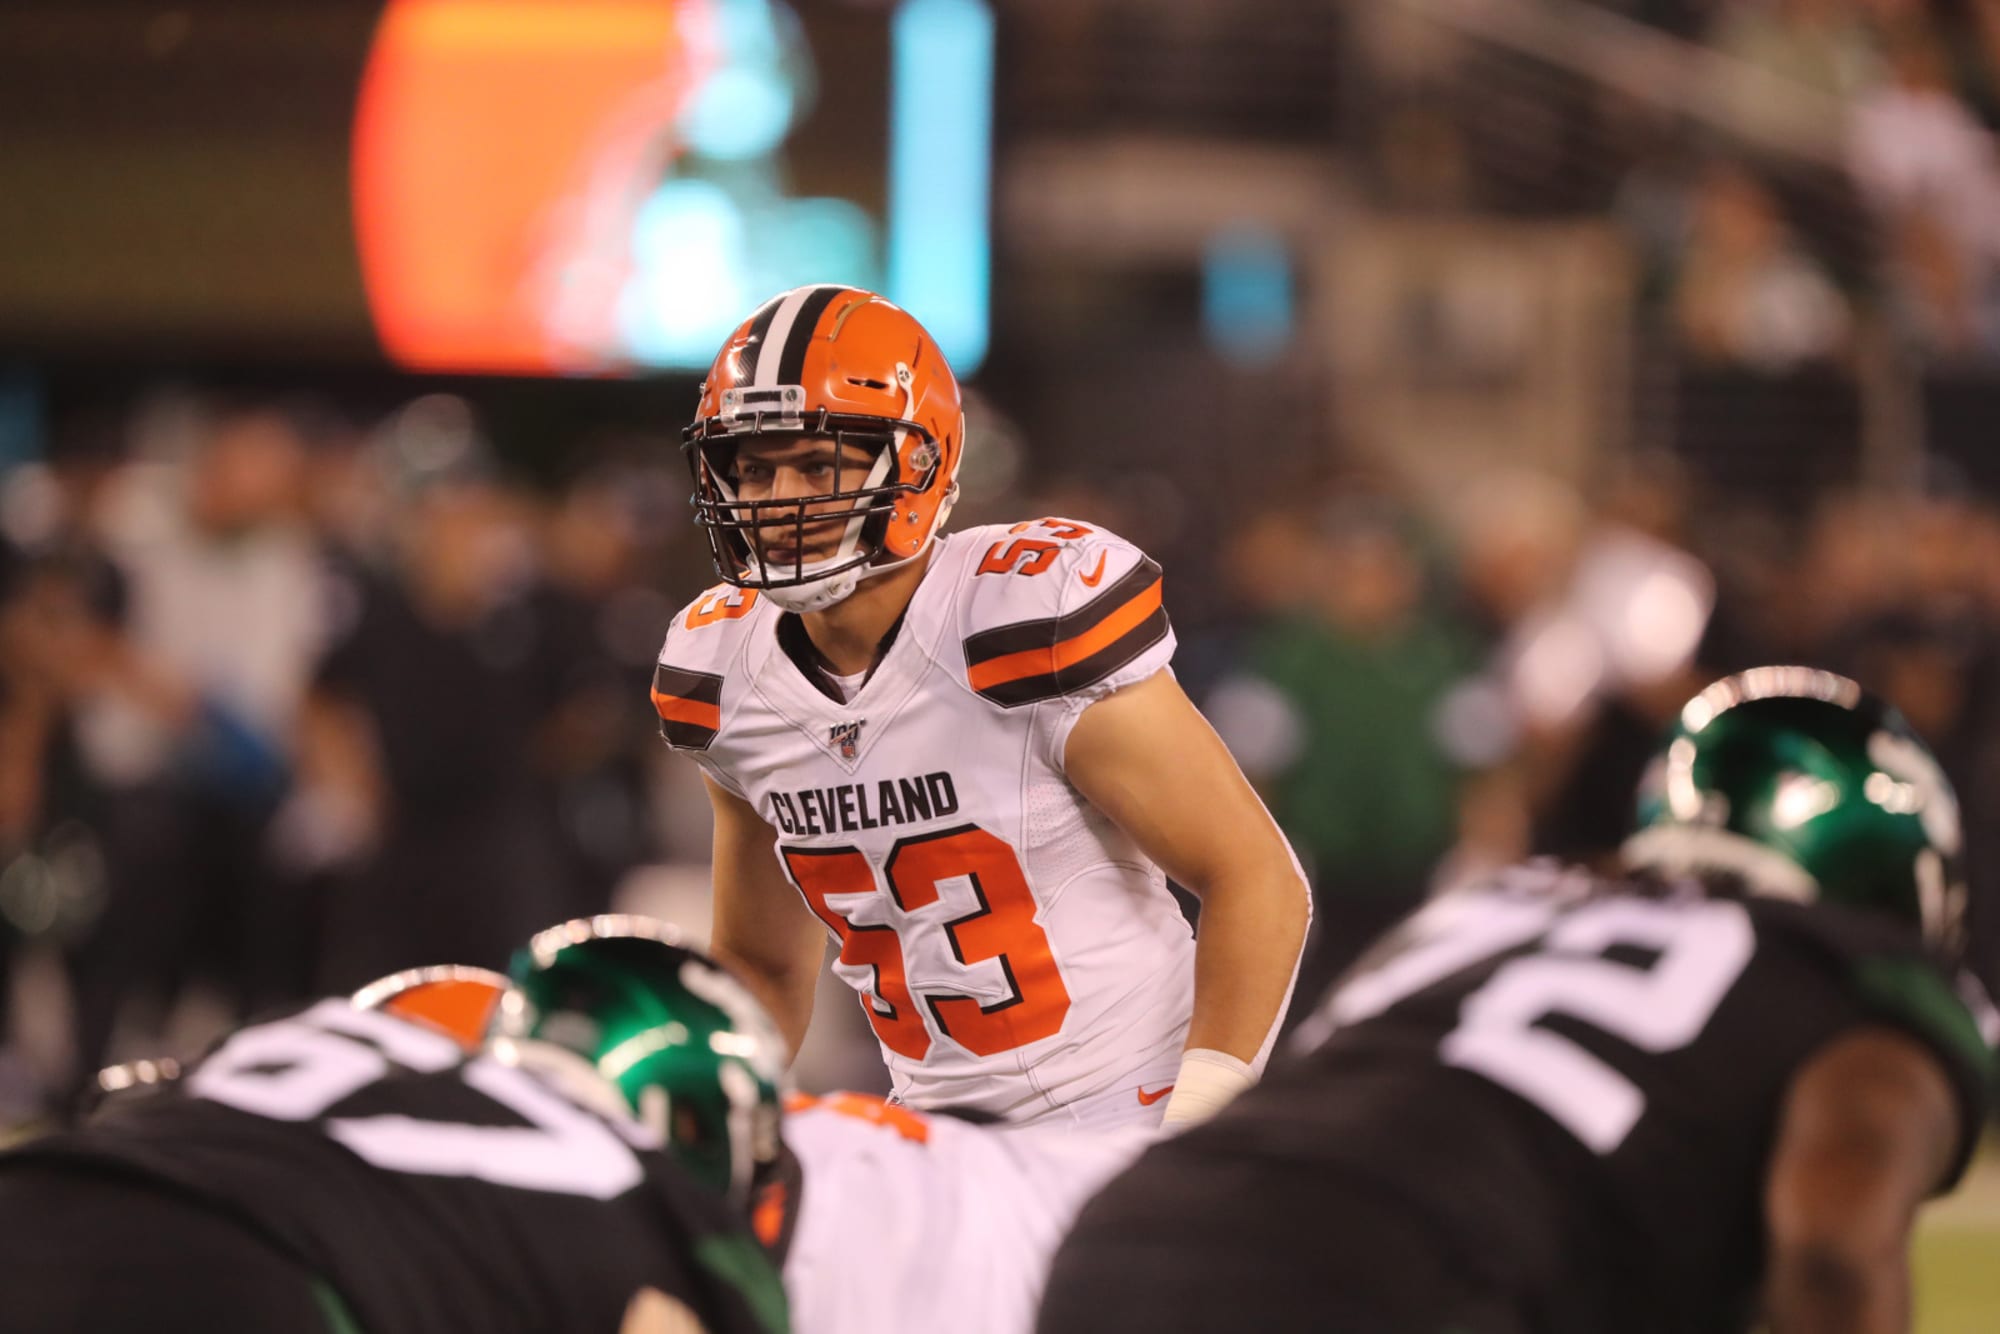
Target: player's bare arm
x,y
1867,1133
1147,759
762,929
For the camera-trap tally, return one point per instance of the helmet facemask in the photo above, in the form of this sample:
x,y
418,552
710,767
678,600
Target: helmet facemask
x,y
770,545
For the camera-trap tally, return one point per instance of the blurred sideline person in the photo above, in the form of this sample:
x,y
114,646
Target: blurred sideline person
x,y
1710,1093
964,752
422,812
350,1170
886,1219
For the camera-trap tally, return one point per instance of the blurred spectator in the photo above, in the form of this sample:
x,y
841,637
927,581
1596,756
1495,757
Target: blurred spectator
x,y
50,881
1747,294
1596,619
605,624
226,588
347,499
180,680
419,802
1928,167
1333,717
1594,765
1267,573
1516,533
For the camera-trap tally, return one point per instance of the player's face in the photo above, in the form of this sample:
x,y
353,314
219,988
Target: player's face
x,y
798,468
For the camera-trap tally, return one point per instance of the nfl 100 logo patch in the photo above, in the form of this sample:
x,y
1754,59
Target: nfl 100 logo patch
x,y
847,736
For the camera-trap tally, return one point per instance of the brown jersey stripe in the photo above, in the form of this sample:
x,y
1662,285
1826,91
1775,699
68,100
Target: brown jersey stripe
x,y
1060,660
1029,636
689,705
1085,672
703,687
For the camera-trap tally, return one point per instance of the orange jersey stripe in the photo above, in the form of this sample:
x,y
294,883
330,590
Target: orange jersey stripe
x,y
675,709
1055,657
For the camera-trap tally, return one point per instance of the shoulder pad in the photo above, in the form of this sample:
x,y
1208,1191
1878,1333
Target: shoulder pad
x,y
1053,607
706,636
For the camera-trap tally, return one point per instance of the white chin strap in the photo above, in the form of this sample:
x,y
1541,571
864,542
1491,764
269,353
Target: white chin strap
x,y
815,594
819,594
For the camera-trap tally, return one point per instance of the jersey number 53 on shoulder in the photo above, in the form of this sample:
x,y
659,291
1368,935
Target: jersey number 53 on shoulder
x,y
1030,555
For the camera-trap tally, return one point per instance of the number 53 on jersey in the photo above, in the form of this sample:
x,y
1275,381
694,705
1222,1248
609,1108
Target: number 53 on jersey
x,y
839,883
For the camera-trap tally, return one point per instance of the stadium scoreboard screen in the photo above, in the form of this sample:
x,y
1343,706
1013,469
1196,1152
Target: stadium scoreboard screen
x,y
567,187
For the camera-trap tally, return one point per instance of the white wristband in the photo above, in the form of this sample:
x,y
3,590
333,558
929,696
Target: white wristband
x,y
1209,1080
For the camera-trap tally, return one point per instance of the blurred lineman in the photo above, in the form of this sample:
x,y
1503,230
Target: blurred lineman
x,y
964,753
342,1169
887,1219
1709,1094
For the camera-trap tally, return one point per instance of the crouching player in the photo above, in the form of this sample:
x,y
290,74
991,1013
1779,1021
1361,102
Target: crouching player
x,y
885,1218
344,1169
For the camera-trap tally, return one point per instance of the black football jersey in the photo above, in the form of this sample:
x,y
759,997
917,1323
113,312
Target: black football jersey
x,y
432,1192
1556,1089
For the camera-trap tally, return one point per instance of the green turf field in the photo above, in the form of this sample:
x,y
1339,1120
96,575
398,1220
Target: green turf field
x,y
1958,1256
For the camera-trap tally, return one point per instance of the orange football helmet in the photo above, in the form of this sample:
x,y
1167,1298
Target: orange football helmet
x,y
836,363
455,999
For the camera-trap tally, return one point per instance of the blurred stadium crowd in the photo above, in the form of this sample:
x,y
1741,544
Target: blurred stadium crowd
x,y
1857,195
295,692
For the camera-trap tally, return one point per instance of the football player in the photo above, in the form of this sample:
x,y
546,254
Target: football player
x,y
960,755
1712,1091
344,1169
887,1219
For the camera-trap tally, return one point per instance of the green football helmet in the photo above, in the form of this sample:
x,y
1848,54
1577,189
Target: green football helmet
x,y
621,1016
1805,787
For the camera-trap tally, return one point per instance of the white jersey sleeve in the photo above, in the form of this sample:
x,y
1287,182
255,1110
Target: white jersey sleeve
x,y
915,1222
1076,615
701,673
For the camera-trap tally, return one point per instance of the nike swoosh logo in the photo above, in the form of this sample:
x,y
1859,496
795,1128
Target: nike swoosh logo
x,y
1091,580
1148,1099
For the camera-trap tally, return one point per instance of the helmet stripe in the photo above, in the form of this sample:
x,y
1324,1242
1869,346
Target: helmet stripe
x,y
771,350
771,354
792,368
758,335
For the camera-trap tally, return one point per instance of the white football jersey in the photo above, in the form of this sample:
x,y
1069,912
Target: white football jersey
x,y
1014,950
925,1223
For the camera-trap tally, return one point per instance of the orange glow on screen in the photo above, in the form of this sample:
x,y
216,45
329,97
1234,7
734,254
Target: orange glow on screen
x,y
478,124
